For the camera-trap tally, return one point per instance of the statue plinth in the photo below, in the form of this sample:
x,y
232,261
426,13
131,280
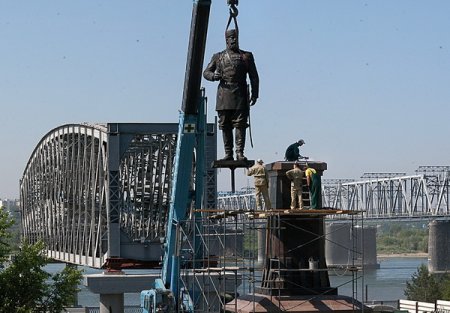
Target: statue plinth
x,y
295,245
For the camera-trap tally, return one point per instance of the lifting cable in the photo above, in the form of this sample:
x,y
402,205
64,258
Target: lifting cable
x,y
233,14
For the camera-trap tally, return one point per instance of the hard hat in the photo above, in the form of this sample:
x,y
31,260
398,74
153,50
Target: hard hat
x,y
259,161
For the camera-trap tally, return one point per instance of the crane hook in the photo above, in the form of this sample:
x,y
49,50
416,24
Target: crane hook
x,y
233,9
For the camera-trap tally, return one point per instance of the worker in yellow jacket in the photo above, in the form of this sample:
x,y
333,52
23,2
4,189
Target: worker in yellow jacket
x,y
315,187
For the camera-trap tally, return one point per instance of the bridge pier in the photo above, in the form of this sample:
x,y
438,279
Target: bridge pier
x,y
110,303
438,246
261,246
342,237
112,287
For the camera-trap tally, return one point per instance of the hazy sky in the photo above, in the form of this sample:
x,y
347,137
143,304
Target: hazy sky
x,y
364,83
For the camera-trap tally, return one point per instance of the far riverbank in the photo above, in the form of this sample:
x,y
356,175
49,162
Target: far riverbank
x,y
402,255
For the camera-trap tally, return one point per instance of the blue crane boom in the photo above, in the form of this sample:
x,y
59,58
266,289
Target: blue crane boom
x,y
192,123
164,297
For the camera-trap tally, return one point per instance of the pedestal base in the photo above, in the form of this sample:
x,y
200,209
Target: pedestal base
x,y
262,303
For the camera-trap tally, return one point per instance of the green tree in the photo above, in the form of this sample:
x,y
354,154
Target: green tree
x,y
24,284
446,288
424,286
402,238
5,223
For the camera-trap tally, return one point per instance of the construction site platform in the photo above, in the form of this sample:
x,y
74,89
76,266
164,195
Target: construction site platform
x,y
259,303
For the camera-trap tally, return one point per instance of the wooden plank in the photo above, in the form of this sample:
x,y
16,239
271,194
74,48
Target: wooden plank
x,y
217,269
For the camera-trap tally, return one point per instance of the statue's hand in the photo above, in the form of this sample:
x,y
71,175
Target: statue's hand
x,y
253,101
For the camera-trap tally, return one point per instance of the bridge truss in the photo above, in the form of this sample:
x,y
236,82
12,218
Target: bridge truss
x,y
240,200
393,197
417,196
96,192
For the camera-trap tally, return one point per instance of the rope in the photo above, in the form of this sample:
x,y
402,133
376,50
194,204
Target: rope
x,y
233,17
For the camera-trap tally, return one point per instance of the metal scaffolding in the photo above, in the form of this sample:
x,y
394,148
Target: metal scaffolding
x,y
219,255
351,222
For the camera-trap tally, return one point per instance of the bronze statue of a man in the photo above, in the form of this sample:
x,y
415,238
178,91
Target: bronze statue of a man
x,y
231,67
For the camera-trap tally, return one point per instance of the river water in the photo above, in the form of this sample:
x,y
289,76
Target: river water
x,y
384,284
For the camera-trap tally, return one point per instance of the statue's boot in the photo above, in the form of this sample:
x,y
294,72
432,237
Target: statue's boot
x,y
227,135
240,144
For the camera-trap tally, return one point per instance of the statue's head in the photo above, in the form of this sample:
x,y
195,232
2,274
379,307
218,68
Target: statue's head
x,y
231,38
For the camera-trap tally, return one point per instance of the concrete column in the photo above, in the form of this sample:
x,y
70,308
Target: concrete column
x,y
340,242
439,246
112,287
261,246
111,303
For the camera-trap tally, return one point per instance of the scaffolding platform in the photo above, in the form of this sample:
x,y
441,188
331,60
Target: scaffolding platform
x,y
218,214
274,259
217,269
303,212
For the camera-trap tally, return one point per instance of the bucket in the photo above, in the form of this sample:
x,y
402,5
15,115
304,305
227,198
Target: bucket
x,y
313,265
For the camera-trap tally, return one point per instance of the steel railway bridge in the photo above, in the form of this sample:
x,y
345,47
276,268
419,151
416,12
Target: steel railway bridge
x,y
394,195
379,195
100,192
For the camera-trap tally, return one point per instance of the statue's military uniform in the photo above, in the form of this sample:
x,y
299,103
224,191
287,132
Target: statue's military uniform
x,y
232,103
232,93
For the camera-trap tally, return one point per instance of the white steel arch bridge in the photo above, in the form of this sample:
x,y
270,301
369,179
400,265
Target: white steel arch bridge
x,y
100,193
